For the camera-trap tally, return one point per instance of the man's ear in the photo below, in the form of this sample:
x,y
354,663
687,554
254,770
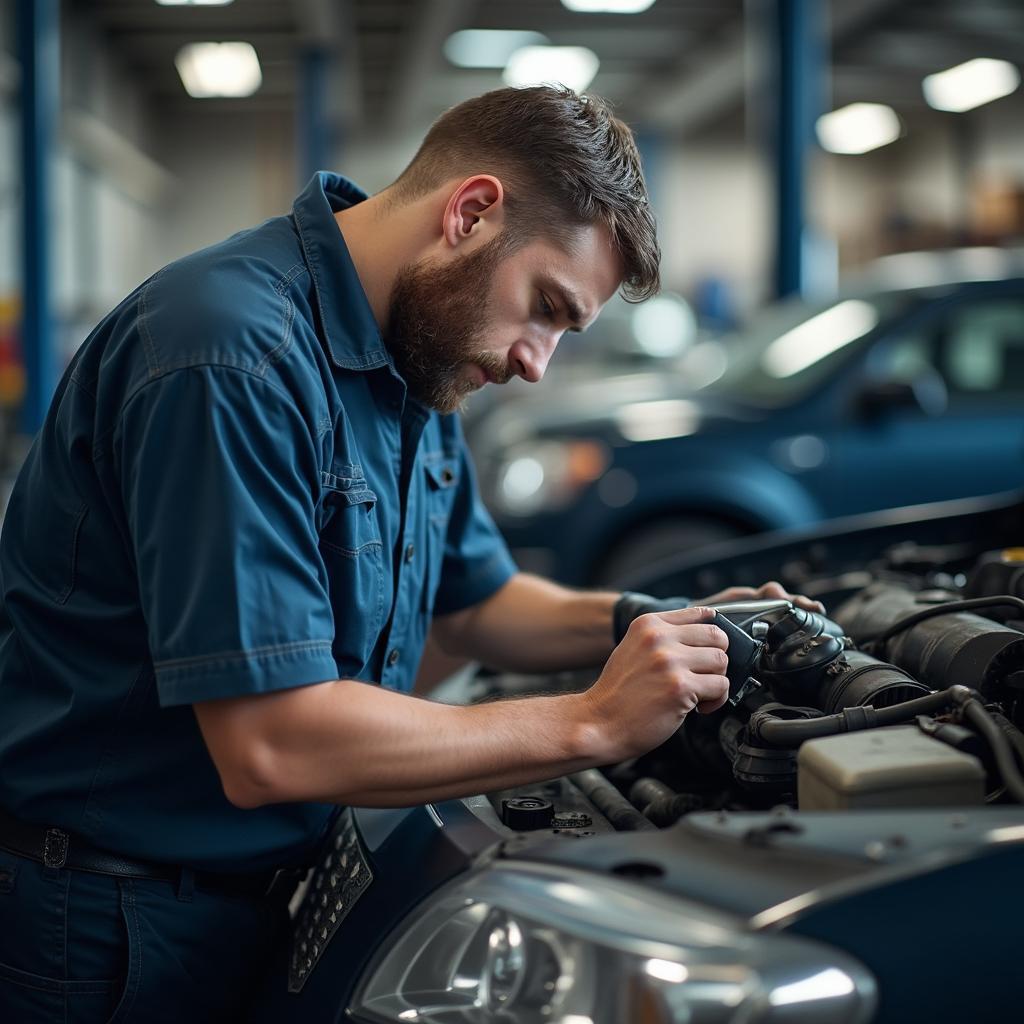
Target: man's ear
x,y
474,208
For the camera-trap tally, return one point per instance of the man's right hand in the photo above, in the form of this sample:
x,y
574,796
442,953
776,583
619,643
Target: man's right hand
x,y
668,664
354,743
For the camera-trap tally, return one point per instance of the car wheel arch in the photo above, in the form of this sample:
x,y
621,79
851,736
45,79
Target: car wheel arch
x,y
729,523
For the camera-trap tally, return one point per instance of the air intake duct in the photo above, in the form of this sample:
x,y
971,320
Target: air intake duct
x,y
943,649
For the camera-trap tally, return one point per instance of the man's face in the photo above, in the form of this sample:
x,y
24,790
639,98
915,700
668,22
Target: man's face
x,y
494,313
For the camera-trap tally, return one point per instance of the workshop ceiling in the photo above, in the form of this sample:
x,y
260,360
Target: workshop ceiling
x,y
680,66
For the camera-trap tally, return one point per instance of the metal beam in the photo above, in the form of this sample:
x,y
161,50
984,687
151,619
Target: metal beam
x,y
329,24
437,19
313,130
700,93
329,100
38,33
119,160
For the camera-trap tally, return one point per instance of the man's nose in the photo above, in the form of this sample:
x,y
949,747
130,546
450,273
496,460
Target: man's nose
x,y
529,358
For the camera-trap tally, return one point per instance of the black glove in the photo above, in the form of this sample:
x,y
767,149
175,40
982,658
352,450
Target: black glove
x,y
631,604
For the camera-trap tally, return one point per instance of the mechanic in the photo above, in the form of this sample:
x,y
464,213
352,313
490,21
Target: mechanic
x,y
222,556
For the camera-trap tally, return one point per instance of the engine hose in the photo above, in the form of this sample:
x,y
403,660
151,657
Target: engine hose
x,y
661,804
974,711
1012,733
610,802
945,608
778,732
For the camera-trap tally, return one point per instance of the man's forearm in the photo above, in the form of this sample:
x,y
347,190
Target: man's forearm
x,y
354,743
533,625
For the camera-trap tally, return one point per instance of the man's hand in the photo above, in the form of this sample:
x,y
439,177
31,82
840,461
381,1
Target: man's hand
x,y
769,591
668,664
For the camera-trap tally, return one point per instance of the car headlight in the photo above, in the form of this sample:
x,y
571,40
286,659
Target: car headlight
x,y
519,943
546,474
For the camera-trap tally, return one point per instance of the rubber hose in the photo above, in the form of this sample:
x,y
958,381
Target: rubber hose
x,y
610,802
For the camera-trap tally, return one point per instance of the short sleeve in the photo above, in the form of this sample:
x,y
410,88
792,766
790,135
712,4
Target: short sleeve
x,y
477,561
219,476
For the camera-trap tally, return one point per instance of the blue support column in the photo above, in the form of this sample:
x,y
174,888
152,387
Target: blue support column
x,y
312,122
38,50
799,76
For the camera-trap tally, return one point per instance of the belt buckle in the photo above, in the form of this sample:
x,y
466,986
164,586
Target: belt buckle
x,y
55,848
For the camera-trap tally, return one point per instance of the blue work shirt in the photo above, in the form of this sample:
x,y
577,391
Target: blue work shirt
x,y
232,494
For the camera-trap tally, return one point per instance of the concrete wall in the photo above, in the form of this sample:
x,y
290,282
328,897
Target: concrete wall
x,y
229,174
714,217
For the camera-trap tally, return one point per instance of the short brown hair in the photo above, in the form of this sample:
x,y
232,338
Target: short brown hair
x,y
564,160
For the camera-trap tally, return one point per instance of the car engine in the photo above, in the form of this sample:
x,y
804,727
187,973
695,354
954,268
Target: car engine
x,y
908,693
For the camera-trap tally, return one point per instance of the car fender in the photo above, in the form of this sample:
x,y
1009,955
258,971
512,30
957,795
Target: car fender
x,y
738,486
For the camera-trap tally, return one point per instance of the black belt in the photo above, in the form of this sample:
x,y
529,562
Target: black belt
x,y
57,848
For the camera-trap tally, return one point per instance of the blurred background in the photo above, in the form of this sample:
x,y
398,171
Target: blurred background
x,y
860,160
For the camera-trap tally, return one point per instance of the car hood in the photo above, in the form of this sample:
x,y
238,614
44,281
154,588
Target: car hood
x,y
761,863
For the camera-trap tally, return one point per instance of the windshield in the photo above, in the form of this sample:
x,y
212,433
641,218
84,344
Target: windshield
x,y
793,346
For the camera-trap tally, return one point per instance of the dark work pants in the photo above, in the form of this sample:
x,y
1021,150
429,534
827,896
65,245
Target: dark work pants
x,y
78,948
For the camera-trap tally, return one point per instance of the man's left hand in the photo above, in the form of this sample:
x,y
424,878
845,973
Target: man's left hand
x,y
767,591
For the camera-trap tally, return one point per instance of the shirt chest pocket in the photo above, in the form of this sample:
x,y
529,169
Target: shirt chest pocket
x,y
353,554
442,483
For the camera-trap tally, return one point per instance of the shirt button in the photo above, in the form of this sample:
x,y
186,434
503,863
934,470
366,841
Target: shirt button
x,y
447,475
410,550
392,656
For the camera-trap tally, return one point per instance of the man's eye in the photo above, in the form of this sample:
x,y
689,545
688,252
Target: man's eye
x,y
545,307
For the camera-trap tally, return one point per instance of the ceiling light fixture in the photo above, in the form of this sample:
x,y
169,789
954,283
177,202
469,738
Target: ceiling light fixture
x,y
971,84
488,47
607,6
210,70
574,66
858,128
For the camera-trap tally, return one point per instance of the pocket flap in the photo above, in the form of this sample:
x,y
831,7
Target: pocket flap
x,y
347,486
442,472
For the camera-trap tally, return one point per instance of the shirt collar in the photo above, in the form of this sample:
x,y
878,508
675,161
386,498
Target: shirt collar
x,y
352,335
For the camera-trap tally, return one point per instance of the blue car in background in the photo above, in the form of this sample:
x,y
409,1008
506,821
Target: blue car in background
x,y
906,389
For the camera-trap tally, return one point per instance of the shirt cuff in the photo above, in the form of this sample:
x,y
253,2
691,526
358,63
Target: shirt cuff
x,y
244,673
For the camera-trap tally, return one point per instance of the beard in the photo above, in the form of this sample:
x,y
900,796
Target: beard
x,y
437,320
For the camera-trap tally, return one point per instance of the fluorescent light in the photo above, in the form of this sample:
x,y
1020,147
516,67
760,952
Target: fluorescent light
x,y
667,970
218,69
607,6
488,47
818,337
970,85
827,984
574,66
194,3
858,128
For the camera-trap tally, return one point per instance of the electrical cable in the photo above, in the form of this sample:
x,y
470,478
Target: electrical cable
x,y
778,732
974,711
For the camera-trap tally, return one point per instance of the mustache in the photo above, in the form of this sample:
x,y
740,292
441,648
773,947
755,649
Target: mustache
x,y
495,367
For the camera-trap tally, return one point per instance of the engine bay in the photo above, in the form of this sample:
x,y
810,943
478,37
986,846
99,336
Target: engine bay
x,y
908,693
